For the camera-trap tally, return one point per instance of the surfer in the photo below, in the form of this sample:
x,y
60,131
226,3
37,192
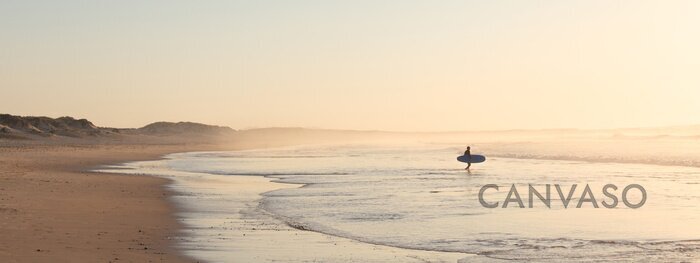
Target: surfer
x,y
468,154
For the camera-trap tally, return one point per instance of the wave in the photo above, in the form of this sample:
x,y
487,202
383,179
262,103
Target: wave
x,y
524,249
538,249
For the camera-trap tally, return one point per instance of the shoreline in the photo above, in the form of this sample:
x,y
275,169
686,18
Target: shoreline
x,y
225,222
54,208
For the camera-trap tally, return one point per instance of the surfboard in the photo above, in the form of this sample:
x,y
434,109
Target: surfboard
x,y
475,158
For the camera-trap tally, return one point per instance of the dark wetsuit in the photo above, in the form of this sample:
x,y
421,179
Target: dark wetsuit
x,y
469,158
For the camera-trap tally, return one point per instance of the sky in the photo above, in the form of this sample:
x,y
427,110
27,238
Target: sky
x,y
368,65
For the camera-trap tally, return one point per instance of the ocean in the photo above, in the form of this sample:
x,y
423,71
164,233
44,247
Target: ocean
x,y
419,198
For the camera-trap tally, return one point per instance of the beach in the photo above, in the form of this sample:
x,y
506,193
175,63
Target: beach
x,y
349,131
52,210
240,202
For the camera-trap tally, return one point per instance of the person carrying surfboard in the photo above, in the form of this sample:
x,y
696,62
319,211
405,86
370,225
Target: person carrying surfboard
x,y
470,158
468,154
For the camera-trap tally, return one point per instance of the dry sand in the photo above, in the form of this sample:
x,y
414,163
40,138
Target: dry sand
x,y
52,210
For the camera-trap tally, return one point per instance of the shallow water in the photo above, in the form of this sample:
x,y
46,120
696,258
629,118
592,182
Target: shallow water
x,y
420,197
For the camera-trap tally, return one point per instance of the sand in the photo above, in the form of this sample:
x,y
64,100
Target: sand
x,y
52,210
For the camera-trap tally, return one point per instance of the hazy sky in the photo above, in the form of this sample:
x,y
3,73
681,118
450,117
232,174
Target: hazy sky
x,y
391,65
